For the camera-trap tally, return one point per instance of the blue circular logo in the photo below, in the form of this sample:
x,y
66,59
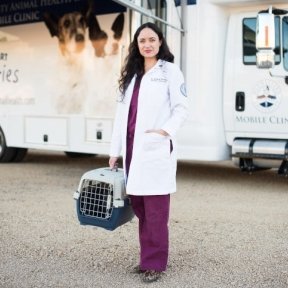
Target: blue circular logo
x,y
183,90
266,96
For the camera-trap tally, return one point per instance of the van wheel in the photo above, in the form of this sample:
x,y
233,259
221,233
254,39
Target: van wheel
x,y
79,155
6,153
20,154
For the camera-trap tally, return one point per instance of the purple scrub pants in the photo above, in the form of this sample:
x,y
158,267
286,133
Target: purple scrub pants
x,y
153,214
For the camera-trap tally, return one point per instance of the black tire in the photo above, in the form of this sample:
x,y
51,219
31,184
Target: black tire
x,y
79,155
6,153
20,154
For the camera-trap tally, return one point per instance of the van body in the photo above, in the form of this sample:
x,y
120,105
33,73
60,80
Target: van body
x,y
58,96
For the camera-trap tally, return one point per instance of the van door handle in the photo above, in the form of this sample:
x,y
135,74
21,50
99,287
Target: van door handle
x,y
240,101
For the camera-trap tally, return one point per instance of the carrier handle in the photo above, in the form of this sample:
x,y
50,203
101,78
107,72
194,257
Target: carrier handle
x,y
115,167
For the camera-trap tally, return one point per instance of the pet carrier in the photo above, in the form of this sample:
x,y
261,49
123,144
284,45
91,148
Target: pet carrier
x,y
101,199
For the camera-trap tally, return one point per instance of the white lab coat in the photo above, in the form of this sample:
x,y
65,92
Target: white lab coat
x,y
162,104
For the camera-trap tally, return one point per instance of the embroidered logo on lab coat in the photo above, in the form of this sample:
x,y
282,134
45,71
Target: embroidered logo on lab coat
x,y
157,79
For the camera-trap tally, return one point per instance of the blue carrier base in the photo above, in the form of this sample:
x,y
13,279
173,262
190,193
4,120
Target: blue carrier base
x,y
118,217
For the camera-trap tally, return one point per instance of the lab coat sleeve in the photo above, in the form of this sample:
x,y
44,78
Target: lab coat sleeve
x,y
178,101
116,139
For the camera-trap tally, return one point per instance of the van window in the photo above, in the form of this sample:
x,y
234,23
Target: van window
x,y
157,8
285,41
249,41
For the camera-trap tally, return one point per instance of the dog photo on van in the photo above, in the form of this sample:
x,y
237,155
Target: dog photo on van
x,y
88,61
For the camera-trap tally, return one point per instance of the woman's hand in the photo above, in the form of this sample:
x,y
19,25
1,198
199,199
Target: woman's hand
x,y
113,162
159,131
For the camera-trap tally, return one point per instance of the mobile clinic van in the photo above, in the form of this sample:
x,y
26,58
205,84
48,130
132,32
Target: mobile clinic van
x,y
59,83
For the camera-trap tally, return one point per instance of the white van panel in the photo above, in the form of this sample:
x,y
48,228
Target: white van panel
x,y
46,131
98,130
258,118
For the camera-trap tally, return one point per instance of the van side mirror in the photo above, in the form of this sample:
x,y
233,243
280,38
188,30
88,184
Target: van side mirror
x,y
265,40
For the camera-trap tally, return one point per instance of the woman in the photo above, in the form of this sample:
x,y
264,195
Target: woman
x,y
153,106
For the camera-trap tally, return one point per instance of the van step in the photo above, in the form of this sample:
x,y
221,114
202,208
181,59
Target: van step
x,y
256,154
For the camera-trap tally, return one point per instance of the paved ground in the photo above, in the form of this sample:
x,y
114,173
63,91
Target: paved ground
x,y
227,229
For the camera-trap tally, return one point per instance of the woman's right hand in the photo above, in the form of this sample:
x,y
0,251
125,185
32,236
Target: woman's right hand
x,y
112,162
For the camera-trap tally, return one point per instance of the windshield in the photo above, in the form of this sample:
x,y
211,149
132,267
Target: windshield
x,y
249,41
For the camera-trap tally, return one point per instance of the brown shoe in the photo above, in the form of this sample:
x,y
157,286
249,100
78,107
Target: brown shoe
x,y
137,270
151,276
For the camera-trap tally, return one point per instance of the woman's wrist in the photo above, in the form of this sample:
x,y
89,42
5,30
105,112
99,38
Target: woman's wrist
x,y
163,132
159,131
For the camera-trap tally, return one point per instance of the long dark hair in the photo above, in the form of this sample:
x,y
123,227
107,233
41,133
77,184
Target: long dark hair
x,y
134,62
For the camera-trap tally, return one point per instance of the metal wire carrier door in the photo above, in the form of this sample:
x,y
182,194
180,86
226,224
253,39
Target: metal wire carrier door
x,y
96,199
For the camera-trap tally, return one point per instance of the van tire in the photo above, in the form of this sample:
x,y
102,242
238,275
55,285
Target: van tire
x,y
6,153
20,154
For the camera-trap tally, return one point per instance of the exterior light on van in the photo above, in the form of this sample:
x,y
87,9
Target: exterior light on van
x,y
265,59
265,40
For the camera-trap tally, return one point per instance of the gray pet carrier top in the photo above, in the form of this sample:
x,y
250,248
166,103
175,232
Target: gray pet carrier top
x,y
101,199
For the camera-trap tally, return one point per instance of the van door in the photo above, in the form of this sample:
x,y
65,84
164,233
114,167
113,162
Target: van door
x,y
255,100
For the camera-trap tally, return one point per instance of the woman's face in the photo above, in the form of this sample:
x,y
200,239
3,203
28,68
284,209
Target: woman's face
x,y
148,43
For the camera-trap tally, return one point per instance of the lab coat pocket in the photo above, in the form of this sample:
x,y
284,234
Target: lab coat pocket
x,y
156,169
156,148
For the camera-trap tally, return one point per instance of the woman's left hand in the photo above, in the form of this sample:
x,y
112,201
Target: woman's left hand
x,y
158,131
